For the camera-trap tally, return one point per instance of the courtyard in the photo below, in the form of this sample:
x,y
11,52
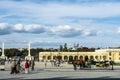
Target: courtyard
x,y
65,71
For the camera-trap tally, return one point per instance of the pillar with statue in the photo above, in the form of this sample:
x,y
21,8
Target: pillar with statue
x,y
2,58
3,54
29,57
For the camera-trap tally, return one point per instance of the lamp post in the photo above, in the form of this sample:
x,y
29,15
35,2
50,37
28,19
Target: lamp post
x,y
112,58
112,62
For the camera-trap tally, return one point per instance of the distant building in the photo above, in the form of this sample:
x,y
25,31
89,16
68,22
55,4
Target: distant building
x,y
98,55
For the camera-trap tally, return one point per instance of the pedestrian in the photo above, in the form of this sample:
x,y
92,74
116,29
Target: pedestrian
x,y
18,65
74,64
13,67
26,67
52,63
55,65
45,63
8,60
32,65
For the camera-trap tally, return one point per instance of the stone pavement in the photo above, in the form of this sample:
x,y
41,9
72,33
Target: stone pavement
x,y
60,73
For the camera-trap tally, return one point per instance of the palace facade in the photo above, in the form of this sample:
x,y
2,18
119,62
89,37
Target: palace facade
x,y
98,55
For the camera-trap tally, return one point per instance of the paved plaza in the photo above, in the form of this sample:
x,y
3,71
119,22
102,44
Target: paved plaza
x,y
65,71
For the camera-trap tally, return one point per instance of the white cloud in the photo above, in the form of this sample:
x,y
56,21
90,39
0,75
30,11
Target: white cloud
x,y
3,26
64,30
34,28
18,27
90,33
119,30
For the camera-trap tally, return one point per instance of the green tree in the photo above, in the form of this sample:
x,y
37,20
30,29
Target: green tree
x,y
65,47
61,48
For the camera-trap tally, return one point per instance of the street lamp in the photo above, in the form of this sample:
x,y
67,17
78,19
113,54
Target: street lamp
x,y
112,62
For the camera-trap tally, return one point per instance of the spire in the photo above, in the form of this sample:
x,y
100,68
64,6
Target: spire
x,y
29,49
3,49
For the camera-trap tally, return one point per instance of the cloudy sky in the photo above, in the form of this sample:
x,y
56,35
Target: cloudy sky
x,y
49,23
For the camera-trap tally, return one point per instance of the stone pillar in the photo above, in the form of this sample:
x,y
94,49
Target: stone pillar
x,y
29,49
29,57
3,55
3,49
46,58
62,57
51,57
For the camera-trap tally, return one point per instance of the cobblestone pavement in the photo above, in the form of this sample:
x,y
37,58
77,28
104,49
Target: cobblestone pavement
x,y
65,71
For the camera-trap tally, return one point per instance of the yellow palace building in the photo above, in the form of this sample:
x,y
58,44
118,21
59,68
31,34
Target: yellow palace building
x,y
98,55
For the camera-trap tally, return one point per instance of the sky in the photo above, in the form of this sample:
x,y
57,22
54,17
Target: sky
x,y
51,23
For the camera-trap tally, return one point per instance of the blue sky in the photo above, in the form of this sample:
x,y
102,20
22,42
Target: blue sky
x,y
49,23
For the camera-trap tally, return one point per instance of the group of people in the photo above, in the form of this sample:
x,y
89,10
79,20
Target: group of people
x,y
54,63
17,67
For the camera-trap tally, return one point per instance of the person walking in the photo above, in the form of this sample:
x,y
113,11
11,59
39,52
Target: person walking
x,y
13,67
32,65
18,65
26,67
45,62
52,63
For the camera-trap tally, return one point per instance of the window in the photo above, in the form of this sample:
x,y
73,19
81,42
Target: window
x,y
109,58
109,53
104,57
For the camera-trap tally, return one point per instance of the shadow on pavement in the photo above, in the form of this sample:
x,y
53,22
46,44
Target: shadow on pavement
x,y
18,78
64,78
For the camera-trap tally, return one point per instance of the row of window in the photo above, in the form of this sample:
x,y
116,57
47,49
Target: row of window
x,y
75,57
110,53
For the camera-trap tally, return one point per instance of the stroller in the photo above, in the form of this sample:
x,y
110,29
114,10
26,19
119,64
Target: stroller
x,y
22,68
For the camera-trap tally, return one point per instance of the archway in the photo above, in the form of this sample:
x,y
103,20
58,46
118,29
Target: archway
x,y
104,57
65,58
59,57
86,58
76,58
96,57
81,57
70,58
44,57
91,58
49,57
54,57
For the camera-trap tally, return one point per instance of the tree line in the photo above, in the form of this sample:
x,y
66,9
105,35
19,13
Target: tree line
x,y
35,51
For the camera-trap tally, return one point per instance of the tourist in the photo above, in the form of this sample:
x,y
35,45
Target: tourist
x,y
45,63
26,67
18,65
32,65
13,67
74,64
8,60
52,63
55,65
